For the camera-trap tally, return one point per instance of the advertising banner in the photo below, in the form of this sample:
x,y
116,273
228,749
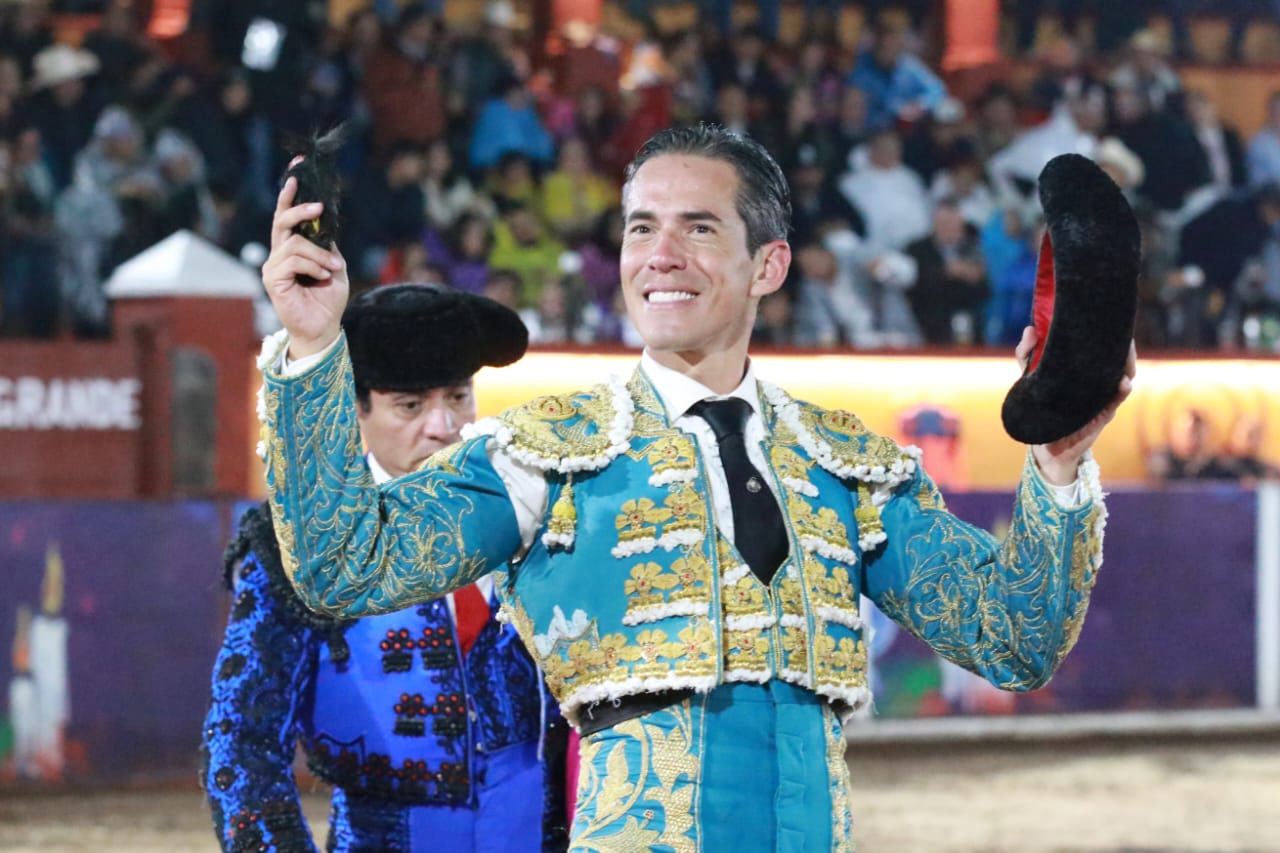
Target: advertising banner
x,y
109,624
1171,624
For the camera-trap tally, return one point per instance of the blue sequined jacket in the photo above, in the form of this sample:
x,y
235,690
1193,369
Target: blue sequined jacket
x,y
628,586
381,706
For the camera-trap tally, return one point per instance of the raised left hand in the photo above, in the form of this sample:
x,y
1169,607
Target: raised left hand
x,y
1060,460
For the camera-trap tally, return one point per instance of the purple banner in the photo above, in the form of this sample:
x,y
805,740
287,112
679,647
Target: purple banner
x,y
109,624
1170,626
112,614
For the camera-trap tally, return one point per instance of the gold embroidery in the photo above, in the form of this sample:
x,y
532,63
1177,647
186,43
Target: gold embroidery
x,y
687,510
795,648
558,427
929,497
866,513
746,650
787,463
672,453
564,516
639,518
654,592
838,773
693,578
852,444
645,585
645,801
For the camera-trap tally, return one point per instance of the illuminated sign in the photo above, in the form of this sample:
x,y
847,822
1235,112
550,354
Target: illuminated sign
x,y
82,403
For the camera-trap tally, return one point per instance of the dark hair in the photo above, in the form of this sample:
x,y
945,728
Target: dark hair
x,y
764,199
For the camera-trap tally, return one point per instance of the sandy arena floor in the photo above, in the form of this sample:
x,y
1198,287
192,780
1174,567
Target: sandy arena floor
x,y
1194,796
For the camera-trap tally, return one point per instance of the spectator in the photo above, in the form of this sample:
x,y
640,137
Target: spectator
x,y
1166,144
188,202
403,86
644,110
10,96
1214,246
931,141
899,87
1147,72
385,211
1264,148
1223,150
817,205
601,256
815,70
1073,128
509,123
1062,76
692,86
732,110
850,127
575,195
951,289
481,62
522,246
514,181
119,45
890,197
62,107
1190,454
235,137
504,287
1121,165
1244,450
833,304
26,29
963,179
997,120
803,128
463,251
589,117
745,65
29,299
1010,245
448,192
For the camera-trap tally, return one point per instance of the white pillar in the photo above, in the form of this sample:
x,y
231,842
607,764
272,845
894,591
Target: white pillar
x,y
1268,591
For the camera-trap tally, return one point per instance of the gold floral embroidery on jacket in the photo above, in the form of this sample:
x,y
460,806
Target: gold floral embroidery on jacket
x,y
656,592
673,458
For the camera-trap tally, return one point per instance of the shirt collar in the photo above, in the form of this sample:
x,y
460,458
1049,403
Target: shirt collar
x,y
379,473
678,392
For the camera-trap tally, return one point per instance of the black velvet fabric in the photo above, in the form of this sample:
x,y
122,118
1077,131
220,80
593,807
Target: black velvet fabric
x,y
1096,246
412,337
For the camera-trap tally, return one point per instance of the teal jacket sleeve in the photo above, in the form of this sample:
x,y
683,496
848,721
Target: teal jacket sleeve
x,y
1008,609
352,548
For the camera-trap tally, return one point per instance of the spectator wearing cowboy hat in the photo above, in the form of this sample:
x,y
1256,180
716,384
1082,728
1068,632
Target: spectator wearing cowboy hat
x,y
63,106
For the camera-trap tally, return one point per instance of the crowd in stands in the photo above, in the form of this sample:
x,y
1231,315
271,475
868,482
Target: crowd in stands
x,y
477,161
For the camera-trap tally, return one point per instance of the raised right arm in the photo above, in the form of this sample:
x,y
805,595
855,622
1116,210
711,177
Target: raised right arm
x,y
350,548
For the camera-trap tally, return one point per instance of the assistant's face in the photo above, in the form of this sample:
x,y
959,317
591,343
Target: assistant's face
x,y
402,428
689,283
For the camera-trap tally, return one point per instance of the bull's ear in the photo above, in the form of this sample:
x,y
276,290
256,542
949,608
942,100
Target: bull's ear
x,y
1086,298
318,180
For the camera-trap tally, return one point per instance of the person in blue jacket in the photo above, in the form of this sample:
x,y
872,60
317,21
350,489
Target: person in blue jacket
x,y
431,722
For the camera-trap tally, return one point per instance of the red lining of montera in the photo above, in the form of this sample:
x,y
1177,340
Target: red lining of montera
x,y
1042,302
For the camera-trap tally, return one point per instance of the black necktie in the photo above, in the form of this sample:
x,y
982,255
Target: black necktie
x,y
758,531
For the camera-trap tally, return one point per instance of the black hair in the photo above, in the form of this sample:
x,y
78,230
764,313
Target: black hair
x,y
764,199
